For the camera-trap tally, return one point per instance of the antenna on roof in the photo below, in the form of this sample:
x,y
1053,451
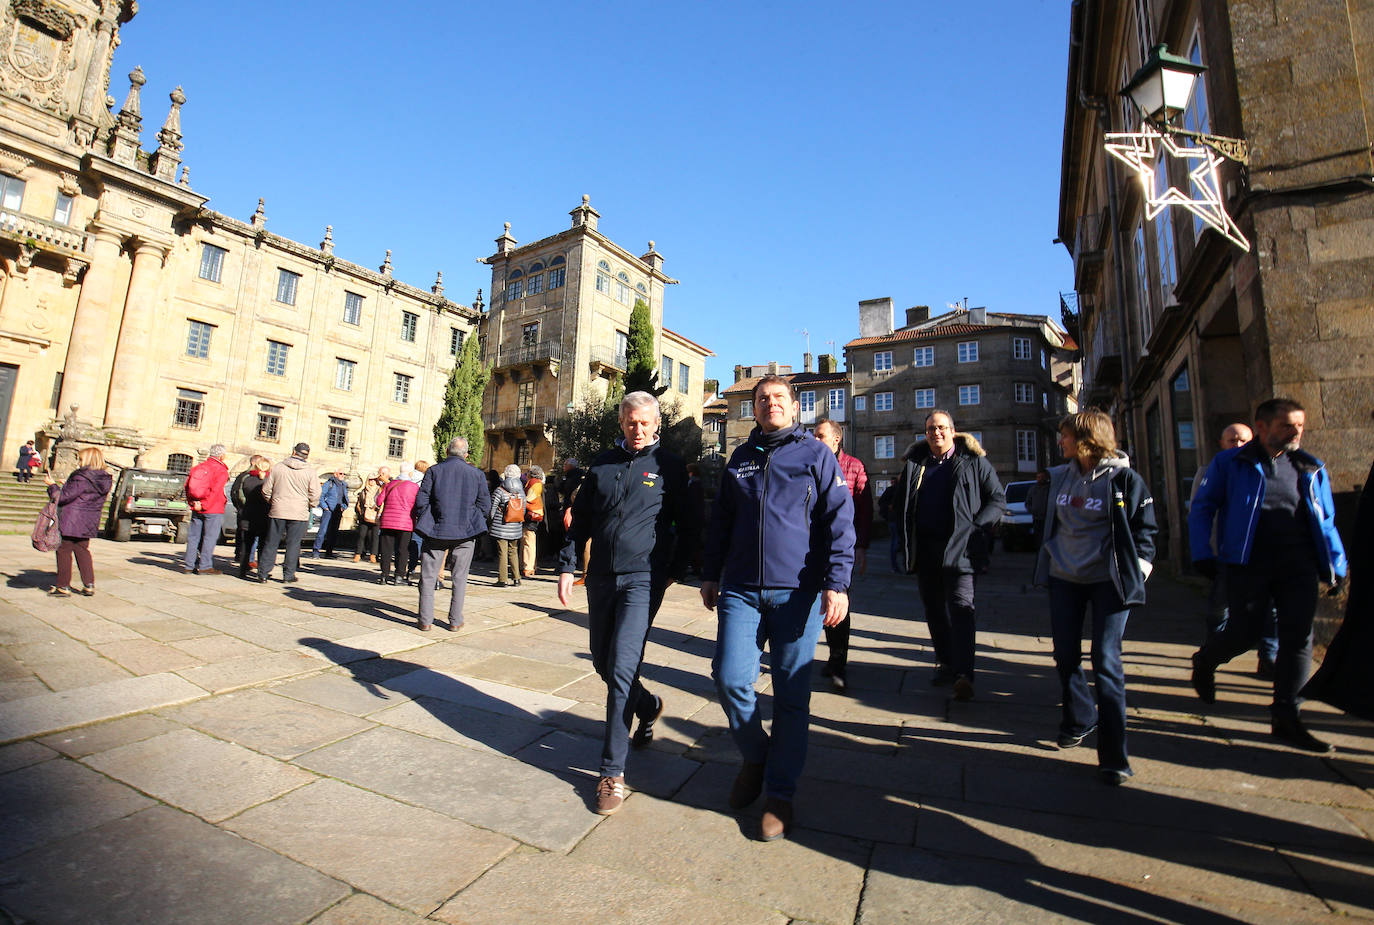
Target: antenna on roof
x,y
807,334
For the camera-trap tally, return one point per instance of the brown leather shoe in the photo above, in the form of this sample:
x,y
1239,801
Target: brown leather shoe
x,y
357,558
748,785
777,819
211,571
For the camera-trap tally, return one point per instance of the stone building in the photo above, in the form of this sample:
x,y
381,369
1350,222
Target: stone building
x,y
557,329
822,393
1006,378
134,318
1183,332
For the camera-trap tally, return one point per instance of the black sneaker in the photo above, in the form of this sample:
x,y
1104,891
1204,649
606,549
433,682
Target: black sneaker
x,y
1112,777
1294,733
1204,679
942,676
963,688
644,734
1073,740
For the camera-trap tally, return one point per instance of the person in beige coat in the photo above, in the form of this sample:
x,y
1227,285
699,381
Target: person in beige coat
x,y
291,490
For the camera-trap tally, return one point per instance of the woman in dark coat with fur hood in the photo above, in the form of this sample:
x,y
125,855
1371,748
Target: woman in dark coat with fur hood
x,y
80,508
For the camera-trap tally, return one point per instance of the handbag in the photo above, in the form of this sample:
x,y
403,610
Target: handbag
x,y
46,536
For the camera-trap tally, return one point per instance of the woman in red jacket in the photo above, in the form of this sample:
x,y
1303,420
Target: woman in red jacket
x,y
396,501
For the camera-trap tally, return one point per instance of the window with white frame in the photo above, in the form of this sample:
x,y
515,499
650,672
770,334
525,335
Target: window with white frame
x,y
665,369
1044,359
884,446
835,400
807,401
970,395
1024,393
603,284
1144,31
338,434
923,356
882,401
746,409
925,398
287,284
535,284
557,273
11,193
198,339
514,288
880,486
882,361
529,334
455,341
343,373
410,323
1025,447
1020,348
400,389
353,308
968,351
860,402
211,262
395,443
62,211
683,377
1142,285
276,357
269,423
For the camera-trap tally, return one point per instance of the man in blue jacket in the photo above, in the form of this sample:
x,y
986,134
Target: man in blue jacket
x,y
333,500
450,513
1276,539
632,507
779,555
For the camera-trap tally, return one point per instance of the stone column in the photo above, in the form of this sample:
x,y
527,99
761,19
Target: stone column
x,y
82,382
133,353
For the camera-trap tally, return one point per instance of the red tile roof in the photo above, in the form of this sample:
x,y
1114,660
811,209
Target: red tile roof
x,y
948,330
797,379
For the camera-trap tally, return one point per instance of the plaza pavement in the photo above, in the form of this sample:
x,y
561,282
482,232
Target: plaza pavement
x,y
188,750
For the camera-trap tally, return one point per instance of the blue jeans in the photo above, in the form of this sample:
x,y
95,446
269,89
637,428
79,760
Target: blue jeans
x,y
620,610
202,533
329,529
1069,602
788,621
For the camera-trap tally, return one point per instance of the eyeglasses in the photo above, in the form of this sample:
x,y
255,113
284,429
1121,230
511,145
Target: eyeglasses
x,y
938,428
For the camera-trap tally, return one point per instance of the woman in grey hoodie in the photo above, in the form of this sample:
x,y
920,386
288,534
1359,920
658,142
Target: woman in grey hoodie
x,y
507,535
1099,541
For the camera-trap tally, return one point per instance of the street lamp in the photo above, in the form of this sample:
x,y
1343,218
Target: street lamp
x,y
1161,90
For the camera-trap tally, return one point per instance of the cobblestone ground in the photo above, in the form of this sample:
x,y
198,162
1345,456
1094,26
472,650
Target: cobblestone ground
x,y
198,749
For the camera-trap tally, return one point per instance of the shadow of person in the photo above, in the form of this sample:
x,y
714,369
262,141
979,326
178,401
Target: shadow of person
x,y
335,600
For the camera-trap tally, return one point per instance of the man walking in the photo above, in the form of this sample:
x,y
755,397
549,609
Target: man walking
x,y
1270,504
947,491
333,500
205,495
779,555
856,479
450,512
291,489
632,507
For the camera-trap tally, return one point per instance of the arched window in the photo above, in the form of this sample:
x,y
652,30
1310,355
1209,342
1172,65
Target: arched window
x,y
178,462
537,268
641,288
557,272
623,275
557,261
516,274
601,264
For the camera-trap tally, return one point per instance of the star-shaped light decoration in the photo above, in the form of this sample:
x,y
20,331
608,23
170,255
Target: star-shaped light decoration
x,y
1139,150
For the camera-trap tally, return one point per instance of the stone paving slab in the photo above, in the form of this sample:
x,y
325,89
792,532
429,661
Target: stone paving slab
x,y
123,872
480,693
143,656
201,775
482,789
101,737
339,692
54,799
361,909
218,647
1344,881
530,889
527,673
496,733
23,754
45,713
219,677
267,723
659,773
410,857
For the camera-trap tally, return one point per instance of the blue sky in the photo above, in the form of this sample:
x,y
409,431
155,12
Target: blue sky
x,y
789,159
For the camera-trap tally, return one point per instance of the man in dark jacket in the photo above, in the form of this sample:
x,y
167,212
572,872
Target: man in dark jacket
x,y
632,506
450,512
779,555
946,492
333,500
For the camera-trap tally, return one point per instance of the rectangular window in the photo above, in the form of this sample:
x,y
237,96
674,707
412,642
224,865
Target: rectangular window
x,y
269,423
353,308
338,434
970,395
880,486
1142,287
455,341
884,446
513,290
287,283
535,284
665,370
410,322
1197,117
400,391
211,262
746,408
923,356
62,212
1025,447
198,339
882,401
11,193
1044,359
524,404
188,409
968,351
807,401
395,443
529,335
683,379
343,374
523,453
925,398
1020,348
882,361
622,293
603,284
622,349
556,277
860,402
276,358
835,400
1045,401
1025,393
1164,235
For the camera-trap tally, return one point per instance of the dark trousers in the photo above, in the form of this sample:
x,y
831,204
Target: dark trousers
x,y
1069,602
368,536
947,597
1286,584
395,544
431,565
620,610
1218,609
293,531
247,539
507,556
330,518
80,547
837,641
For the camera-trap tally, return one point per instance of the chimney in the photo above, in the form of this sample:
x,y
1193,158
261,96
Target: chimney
x,y
584,216
978,315
875,317
917,314
773,368
806,362
827,361
739,372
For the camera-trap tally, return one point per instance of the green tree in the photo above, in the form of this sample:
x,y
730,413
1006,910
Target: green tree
x,y
640,365
590,427
462,414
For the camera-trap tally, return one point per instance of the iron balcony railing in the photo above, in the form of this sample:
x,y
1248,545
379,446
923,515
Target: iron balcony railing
x,y
512,420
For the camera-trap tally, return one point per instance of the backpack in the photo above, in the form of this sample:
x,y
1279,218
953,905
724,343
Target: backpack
x,y
515,510
46,536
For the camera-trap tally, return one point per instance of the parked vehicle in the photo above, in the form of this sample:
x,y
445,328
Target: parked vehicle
x,y
1016,528
149,502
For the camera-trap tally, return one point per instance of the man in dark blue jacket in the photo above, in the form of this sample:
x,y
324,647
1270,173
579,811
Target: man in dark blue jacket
x,y
450,513
1276,538
778,559
632,506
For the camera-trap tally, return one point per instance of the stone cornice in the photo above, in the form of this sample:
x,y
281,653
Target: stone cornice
x,y
178,197
570,233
